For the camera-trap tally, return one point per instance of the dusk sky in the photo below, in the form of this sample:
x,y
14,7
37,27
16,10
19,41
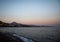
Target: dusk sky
x,y
37,12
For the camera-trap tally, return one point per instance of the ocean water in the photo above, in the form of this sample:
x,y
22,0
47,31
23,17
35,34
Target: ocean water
x,y
40,34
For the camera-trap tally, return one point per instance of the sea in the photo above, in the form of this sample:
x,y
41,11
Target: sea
x,y
40,34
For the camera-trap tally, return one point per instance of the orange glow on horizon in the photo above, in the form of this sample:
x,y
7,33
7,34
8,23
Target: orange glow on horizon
x,y
33,21
39,21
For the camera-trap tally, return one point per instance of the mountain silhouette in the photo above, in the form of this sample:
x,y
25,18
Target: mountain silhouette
x,y
14,24
2,24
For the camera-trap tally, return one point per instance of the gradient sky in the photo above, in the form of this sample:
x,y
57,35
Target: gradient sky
x,y
30,11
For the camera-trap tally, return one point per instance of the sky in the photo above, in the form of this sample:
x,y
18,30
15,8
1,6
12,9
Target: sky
x,y
37,12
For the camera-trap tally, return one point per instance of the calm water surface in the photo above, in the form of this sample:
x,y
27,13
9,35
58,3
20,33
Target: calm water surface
x,y
40,34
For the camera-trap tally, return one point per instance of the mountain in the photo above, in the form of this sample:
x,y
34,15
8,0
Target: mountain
x,y
14,24
2,24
